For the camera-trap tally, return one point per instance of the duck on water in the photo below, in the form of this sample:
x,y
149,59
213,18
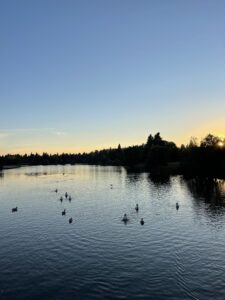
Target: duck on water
x,y
142,221
125,218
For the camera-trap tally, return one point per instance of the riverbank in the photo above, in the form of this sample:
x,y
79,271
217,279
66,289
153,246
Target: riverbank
x,y
156,156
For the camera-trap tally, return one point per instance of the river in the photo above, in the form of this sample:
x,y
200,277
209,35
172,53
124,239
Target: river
x,y
176,254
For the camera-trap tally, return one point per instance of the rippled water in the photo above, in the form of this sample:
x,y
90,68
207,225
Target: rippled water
x,y
175,255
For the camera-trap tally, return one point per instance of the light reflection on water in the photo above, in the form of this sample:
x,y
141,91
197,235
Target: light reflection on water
x,y
177,254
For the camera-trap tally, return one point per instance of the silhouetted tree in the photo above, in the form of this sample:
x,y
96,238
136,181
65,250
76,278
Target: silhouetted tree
x,y
157,139
210,141
193,142
150,141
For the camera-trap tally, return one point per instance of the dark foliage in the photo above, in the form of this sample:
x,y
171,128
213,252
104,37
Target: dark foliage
x,y
156,156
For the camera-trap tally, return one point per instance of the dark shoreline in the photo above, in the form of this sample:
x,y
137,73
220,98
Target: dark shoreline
x,y
160,172
156,156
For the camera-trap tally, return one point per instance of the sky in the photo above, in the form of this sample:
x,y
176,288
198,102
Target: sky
x,y
78,75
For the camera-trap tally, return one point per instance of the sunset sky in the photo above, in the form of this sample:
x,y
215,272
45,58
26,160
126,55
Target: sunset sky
x,y
83,75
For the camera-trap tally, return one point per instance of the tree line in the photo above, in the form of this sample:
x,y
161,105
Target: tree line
x,y
156,156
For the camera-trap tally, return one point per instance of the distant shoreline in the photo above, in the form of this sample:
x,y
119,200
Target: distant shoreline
x,y
156,156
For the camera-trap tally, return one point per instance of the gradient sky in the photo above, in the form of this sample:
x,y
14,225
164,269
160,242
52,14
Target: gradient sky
x,y
83,75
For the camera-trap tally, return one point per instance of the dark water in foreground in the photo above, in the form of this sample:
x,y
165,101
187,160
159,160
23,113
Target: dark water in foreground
x,y
175,255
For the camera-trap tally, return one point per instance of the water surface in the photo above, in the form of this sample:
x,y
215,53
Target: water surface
x,y
177,254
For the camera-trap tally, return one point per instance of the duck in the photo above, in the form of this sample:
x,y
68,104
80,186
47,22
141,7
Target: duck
x,y
70,220
125,218
56,190
61,199
177,206
14,209
142,221
66,194
137,208
64,212
70,198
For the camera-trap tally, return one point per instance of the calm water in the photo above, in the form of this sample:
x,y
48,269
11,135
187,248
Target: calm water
x,y
175,255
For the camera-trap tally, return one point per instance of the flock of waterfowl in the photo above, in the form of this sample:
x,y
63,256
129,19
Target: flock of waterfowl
x,y
67,196
125,218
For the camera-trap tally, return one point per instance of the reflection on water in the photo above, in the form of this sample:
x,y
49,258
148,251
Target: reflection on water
x,y
210,194
177,254
211,190
159,180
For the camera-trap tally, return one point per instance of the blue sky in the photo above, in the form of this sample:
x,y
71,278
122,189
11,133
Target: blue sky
x,y
83,75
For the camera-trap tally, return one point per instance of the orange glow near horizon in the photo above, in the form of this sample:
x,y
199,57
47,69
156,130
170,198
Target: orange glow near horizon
x,y
65,145
221,144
